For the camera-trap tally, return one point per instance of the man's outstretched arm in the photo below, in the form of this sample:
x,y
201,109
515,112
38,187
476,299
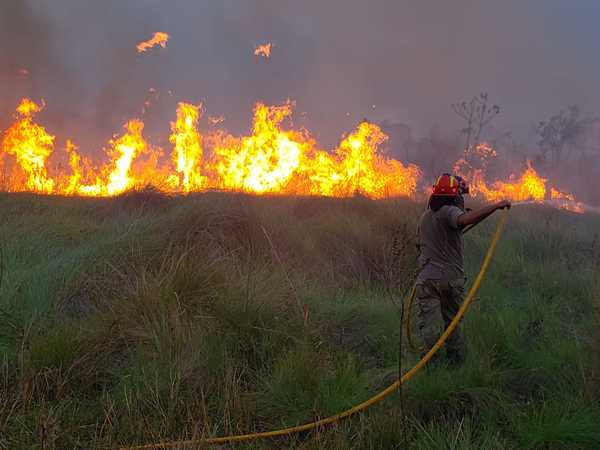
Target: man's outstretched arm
x,y
474,217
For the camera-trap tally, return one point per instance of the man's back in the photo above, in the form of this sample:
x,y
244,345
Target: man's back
x,y
440,244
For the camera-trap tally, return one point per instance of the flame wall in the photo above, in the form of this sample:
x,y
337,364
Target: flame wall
x,y
273,159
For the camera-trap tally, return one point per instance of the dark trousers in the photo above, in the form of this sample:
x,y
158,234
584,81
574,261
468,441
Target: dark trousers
x,y
438,302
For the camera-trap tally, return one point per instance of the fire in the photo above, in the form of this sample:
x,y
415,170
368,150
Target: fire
x,y
265,161
475,160
187,142
272,158
28,107
263,50
31,146
529,186
125,150
159,38
566,201
360,167
75,164
215,120
115,177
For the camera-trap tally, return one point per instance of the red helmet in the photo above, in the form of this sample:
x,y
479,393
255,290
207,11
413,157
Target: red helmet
x,y
450,185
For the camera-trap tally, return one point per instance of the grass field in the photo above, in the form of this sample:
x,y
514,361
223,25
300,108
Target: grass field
x,y
145,318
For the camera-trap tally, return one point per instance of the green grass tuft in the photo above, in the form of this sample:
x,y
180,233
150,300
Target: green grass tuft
x,y
148,318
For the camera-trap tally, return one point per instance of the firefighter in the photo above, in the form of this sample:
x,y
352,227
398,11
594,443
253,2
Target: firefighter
x,y
441,277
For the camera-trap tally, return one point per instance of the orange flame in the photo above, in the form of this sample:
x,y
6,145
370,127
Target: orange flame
x,y
159,38
272,158
566,201
265,161
215,120
116,177
125,150
187,153
31,145
75,164
528,186
360,167
474,159
269,160
263,50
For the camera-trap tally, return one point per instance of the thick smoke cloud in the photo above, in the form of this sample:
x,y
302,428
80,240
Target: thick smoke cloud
x,y
409,59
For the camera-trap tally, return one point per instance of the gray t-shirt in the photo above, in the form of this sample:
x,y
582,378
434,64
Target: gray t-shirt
x,y
440,243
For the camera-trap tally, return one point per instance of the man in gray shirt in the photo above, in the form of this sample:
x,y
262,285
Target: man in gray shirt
x,y
441,278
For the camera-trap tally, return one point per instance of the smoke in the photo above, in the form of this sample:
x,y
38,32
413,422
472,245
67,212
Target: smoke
x,y
410,59
30,60
341,60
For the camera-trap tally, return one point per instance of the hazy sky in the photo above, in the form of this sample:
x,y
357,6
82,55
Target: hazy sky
x,y
411,59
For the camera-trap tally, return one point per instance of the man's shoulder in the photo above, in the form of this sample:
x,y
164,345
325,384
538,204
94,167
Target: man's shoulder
x,y
451,213
448,209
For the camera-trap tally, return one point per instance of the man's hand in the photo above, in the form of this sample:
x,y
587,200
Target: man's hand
x,y
503,204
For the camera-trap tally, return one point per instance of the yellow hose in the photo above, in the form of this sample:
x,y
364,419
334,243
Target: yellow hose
x,y
373,400
408,305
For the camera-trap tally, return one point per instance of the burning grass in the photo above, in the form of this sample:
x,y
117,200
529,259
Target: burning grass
x,y
147,317
274,158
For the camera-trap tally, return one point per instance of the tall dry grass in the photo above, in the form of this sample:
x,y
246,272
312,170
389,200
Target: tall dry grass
x,y
145,318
